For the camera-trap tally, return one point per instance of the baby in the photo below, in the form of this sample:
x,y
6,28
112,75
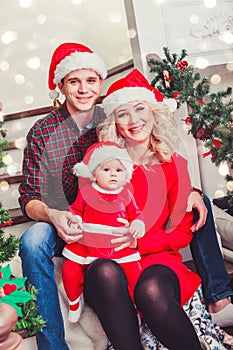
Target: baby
x,y
102,204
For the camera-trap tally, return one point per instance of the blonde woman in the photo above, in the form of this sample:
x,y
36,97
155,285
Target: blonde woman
x,y
161,186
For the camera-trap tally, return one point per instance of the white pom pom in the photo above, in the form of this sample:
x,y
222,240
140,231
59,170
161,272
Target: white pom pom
x,y
53,94
81,169
171,103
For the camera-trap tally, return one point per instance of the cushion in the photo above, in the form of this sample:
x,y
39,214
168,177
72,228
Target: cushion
x,y
224,223
223,203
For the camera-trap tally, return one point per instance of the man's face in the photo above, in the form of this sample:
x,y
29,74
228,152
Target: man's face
x,y
81,88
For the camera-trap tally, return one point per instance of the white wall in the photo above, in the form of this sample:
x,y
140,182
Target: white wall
x,y
185,25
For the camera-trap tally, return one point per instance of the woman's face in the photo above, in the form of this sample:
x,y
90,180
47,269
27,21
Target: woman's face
x,y
134,121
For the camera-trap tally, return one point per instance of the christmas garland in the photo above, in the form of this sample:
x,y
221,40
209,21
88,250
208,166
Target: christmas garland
x,y
210,114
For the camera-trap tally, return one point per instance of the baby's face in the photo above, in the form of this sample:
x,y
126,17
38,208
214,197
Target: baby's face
x,y
111,175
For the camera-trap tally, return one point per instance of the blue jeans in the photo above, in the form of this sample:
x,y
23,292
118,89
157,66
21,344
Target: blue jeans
x,y
208,260
40,243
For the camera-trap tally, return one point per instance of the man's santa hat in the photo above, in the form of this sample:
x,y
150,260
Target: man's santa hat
x,y
69,57
98,154
133,87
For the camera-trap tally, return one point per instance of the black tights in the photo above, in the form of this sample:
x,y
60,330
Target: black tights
x,y
157,297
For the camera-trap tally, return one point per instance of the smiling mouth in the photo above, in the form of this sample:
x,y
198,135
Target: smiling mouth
x,y
136,129
83,99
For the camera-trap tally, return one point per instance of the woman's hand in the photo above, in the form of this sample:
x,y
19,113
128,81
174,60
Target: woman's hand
x,y
127,239
67,225
195,201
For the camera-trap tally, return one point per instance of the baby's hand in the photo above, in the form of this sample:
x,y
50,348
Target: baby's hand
x,y
137,228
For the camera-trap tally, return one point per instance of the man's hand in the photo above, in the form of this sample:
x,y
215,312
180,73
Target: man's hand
x,y
127,239
67,225
195,201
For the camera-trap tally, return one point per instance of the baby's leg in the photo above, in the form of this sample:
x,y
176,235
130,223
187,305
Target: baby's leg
x,y
73,276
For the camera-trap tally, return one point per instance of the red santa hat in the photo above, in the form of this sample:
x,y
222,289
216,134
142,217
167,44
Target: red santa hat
x,y
69,57
133,87
100,153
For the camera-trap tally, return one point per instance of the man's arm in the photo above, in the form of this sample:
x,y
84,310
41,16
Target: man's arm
x,y
61,220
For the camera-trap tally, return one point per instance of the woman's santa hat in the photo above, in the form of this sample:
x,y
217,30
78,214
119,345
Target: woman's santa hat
x,y
100,153
133,87
69,57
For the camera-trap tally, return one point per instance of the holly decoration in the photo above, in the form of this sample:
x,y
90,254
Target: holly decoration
x,y
11,290
210,114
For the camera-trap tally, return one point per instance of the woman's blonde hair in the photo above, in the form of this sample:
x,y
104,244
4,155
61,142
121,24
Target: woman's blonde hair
x,y
164,135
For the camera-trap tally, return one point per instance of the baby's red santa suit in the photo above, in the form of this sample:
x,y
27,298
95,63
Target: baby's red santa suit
x,y
99,210
104,206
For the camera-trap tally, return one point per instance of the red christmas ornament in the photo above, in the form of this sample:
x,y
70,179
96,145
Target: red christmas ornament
x,y
182,66
217,143
7,223
176,95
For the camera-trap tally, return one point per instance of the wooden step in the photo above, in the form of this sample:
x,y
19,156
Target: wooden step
x,y
17,216
12,179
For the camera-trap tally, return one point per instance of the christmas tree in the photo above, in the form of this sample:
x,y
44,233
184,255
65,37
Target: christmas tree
x,y
210,117
12,290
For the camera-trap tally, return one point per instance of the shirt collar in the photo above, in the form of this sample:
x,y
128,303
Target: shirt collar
x,y
103,190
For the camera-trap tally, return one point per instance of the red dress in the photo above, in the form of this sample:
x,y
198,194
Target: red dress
x,y
161,192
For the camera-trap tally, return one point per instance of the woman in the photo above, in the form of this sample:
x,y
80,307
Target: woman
x,y
161,187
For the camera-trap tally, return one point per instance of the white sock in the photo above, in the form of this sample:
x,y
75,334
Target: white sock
x,y
74,315
224,317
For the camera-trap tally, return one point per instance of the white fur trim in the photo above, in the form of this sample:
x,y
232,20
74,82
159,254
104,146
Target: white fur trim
x,y
99,228
103,190
171,103
79,60
89,259
53,94
125,95
75,301
105,153
81,169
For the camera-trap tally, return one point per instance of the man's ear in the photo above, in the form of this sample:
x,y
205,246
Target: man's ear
x,y
61,88
101,83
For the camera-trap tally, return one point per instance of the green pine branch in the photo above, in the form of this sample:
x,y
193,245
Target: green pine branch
x,y
211,117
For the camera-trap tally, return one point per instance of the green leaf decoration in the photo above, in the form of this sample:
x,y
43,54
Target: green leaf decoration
x,y
13,289
6,272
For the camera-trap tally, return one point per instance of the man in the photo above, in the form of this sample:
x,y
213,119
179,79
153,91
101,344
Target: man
x,y
55,143
46,179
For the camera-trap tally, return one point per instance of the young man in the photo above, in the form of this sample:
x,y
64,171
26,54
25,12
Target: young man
x,y
55,144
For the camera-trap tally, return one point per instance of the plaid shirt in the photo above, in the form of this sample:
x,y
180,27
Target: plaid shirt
x,y
54,145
